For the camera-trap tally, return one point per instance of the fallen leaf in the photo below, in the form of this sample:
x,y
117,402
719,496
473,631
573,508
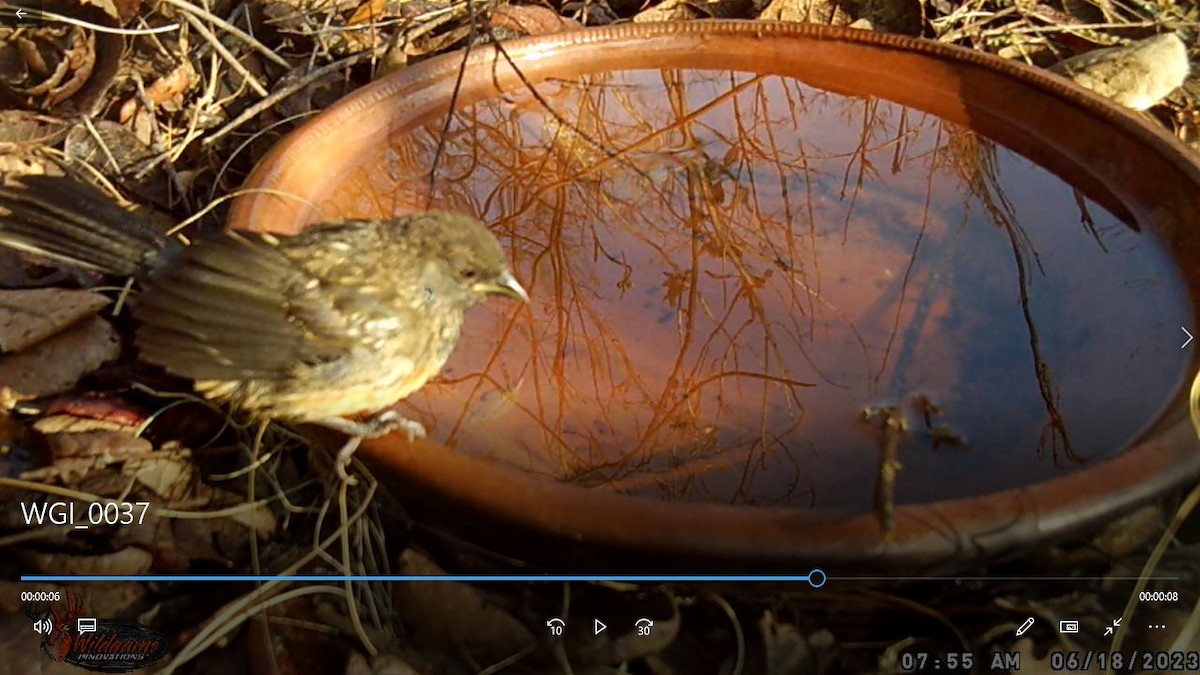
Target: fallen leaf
x,y
672,10
105,446
101,409
825,12
112,148
23,131
57,66
76,455
426,607
55,365
258,518
384,664
316,95
531,20
127,561
788,652
166,92
29,316
70,424
167,474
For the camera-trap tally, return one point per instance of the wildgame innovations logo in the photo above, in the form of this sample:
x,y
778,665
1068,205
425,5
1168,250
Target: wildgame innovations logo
x,y
99,645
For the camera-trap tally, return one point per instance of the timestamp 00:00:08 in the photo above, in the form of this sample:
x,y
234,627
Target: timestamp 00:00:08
x,y
96,513
1135,662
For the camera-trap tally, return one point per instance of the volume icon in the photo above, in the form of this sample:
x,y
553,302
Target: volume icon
x,y
43,627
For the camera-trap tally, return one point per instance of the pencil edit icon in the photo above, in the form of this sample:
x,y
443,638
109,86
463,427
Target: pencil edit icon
x,y
1025,627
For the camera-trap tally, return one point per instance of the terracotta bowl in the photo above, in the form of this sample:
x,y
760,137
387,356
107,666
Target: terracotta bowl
x,y
749,245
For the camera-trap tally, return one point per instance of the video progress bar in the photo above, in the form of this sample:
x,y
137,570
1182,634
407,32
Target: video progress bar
x,y
815,578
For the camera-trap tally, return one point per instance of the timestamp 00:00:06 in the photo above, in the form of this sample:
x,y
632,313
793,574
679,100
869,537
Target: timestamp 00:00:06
x,y
107,512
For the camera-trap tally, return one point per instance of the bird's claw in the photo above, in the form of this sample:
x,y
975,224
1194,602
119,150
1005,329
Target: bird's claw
x,y
379,425
389,420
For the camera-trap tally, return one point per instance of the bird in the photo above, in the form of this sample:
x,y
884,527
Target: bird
x,y
341,319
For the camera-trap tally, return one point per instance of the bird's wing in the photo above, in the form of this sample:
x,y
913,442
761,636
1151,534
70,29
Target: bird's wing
x,y
69,221
235,307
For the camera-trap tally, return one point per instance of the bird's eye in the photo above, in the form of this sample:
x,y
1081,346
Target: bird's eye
x,y
468,274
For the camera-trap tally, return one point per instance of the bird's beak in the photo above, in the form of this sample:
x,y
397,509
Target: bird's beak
x,y
507,285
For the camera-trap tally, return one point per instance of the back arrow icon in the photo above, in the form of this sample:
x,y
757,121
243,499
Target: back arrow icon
x,y
1189,340
20,13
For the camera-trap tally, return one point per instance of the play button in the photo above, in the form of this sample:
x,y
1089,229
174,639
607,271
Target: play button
x,y
598,626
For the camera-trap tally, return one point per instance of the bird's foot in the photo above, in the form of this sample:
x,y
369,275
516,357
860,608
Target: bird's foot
x,y
381,424
388,421
378,425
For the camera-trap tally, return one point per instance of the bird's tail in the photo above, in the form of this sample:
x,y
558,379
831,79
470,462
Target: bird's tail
x,y
67,221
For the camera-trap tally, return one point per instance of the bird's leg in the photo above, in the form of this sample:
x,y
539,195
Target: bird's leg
x,y
378,425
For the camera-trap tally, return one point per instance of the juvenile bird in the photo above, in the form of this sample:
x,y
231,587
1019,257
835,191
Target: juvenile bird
x,y
341,319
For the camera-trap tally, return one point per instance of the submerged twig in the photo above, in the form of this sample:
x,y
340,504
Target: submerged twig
x,y
894,427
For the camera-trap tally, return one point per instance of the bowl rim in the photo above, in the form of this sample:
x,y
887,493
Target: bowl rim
x,y
941,535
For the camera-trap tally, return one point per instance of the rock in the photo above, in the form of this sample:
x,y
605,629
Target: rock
x,y
1137,76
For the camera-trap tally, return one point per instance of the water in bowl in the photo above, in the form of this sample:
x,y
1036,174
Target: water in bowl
x,y
732,272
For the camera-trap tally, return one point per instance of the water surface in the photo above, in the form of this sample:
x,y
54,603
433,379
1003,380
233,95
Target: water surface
x,y
728,270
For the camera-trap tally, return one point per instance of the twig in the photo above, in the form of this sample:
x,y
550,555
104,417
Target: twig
x,y
226,54
351,601
233,615
1164,542
738,635
894,427
102,29
95,134
189,8
277,96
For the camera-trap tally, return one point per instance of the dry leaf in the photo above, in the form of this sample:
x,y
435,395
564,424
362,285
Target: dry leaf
x,y
60,66
70,424
384,664
105,447
112,148
117,411
167,474
74,456
427,607
672,10
127,561
29,316
166,92
316,95
259,518
22,164
825,12
23,131
531,20
788,652
55,365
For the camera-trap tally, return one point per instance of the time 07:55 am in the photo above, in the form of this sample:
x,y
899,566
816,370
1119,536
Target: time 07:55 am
x,y
82,515
963,662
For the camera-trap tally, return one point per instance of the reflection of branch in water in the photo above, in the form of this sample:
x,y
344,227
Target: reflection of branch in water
x,y
865,167
1085,217
984,182
894,428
